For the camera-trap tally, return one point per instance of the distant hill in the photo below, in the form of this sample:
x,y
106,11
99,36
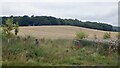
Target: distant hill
x,y
115,28
49,20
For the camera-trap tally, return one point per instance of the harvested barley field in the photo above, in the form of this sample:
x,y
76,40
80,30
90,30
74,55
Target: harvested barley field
x,y
60,32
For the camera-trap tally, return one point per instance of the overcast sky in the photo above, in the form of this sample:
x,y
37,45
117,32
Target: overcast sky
x,y
92,10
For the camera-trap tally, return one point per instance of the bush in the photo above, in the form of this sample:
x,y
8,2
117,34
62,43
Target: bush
x,y
95,36
118,35
81,35
106,35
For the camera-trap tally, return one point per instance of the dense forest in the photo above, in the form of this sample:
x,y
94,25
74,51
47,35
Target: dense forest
x,y
49,20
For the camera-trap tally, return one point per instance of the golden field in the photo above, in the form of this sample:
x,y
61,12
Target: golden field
x,y
60,32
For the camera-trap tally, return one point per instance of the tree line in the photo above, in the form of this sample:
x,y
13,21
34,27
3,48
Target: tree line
x,y
49,20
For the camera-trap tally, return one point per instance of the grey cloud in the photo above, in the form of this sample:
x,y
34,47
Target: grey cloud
x,y
93,11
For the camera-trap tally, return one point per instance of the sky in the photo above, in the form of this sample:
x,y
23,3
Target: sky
x,y
105,11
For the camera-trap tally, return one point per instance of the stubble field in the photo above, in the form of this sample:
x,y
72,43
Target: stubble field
x,y
61,32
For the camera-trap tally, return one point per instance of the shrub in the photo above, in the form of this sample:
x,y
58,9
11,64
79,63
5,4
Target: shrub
x,y
95,36
81,35
118,35
103,49
106,35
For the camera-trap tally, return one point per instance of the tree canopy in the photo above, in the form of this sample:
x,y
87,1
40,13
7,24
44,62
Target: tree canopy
x,y
49,20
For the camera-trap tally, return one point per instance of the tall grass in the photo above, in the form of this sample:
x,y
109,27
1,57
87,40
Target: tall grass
x,y
54,52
